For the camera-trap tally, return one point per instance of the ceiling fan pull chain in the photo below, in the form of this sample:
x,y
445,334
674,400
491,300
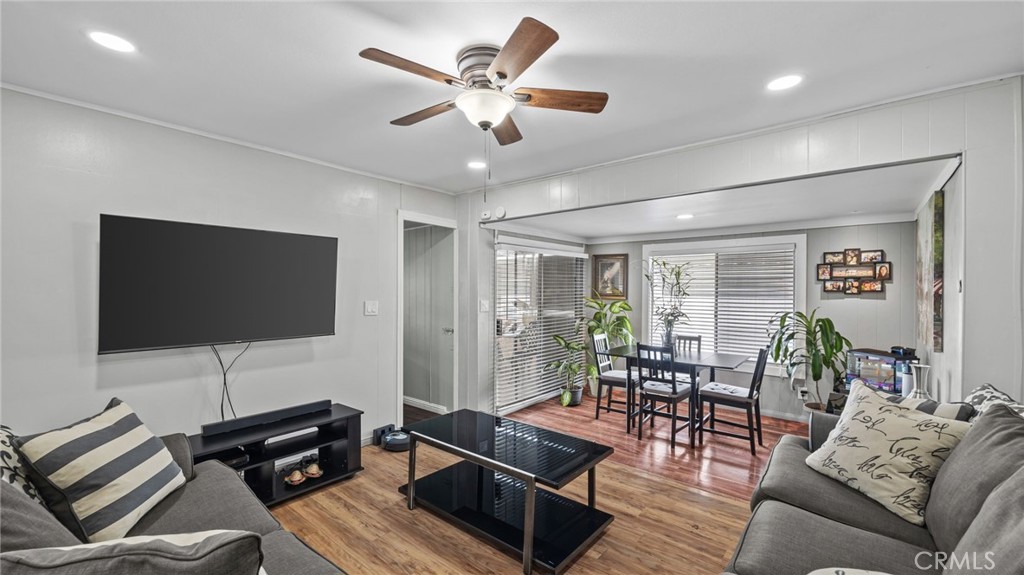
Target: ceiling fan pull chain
x,y
487,160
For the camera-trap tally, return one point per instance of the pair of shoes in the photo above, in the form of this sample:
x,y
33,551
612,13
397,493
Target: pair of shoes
x,y
311,467
307,467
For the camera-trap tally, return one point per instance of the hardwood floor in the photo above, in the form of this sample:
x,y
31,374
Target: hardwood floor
x,y
413,414
678,512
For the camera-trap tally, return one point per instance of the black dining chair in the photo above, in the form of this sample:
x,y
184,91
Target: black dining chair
x,y
659,383
608,377
687,342
745,398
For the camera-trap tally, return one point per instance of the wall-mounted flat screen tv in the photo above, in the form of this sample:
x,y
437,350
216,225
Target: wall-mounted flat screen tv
x,y
171,284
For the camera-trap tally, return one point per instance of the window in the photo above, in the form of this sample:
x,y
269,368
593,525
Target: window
x,y
537,294
735,289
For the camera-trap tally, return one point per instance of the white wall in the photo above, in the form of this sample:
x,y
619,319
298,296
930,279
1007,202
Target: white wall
x,y
982,121
64,165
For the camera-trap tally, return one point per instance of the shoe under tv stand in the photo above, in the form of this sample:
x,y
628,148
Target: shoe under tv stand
x,y
334,433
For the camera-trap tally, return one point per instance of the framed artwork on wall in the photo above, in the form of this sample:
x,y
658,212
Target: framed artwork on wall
x,y
610,275
834,258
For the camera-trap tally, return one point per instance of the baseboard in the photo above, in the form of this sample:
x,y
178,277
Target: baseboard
x,y
425,405
802,418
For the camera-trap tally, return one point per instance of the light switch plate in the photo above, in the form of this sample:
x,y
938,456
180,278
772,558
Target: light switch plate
x,y
371,307
485,306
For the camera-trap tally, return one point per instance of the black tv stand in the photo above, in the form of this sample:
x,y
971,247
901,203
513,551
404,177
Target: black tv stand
x,y
333,433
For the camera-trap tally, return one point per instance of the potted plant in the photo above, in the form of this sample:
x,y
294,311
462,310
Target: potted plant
x,y
811,342
673,286
569,367
609,318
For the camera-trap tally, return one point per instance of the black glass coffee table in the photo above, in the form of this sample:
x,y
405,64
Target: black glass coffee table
x,y
493,492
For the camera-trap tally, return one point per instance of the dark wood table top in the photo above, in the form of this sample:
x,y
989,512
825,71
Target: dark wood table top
x,y
709,359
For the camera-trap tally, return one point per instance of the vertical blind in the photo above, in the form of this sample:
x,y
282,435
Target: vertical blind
x,y
536,295
733,296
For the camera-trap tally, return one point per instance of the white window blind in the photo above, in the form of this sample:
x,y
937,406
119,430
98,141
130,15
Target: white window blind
x,y
536,295
733,295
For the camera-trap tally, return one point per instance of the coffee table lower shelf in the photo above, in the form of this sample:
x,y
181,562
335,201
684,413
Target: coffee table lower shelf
x,y
491,505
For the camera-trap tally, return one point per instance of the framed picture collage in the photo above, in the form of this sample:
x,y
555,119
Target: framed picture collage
x,y
854,271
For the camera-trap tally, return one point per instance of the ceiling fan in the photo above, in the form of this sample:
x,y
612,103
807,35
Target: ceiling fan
x,y
486,70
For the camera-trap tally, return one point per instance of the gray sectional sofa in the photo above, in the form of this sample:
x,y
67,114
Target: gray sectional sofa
x,y
974,521
213,497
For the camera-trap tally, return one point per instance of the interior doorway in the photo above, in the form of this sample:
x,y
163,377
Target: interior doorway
x,y
428,316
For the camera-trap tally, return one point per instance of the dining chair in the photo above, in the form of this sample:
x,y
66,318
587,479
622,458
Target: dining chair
x,y
659,383
609,377
686,343
745,398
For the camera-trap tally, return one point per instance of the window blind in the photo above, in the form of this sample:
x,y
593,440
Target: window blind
x,y
536,295
733,296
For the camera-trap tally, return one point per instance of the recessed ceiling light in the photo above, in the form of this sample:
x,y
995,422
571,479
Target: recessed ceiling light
x,y
784,83
477,165
116,43
684,217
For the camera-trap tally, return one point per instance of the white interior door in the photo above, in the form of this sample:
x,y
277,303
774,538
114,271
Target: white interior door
x,y
428,337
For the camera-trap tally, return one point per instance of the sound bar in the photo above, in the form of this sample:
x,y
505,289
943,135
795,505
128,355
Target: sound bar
x,y
264,418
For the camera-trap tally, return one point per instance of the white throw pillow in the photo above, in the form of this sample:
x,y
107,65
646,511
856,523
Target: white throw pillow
x,y
887,451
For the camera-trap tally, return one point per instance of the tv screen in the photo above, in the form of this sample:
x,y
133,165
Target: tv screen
x,y
172,284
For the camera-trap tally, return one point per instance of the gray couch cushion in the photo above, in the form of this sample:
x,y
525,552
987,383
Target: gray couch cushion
x,y
205,553
286,554
787,478
992,544
181,452
783,540
216,499
25,524
992,451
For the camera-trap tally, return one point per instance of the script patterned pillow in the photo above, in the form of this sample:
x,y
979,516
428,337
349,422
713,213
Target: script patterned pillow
x,y
101,475
12,469
887,451
986,396
961,411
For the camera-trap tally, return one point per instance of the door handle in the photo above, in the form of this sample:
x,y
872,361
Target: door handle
x,y
448,330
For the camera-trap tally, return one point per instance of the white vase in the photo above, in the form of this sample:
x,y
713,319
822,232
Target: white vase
x,y
919,380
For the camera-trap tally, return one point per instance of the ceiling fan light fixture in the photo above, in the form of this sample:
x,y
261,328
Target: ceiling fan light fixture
x,y
485,107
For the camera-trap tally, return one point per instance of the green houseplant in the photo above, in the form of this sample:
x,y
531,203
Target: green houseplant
x,y
811,342
570,367
670,285
609,318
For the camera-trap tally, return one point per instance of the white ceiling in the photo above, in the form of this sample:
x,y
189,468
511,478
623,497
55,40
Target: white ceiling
x,y
888,194
287,75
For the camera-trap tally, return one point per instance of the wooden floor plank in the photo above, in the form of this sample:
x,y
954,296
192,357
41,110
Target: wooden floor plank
x,y
686,506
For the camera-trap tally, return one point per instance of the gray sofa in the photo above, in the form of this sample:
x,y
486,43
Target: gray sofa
x,y
803,521
213,497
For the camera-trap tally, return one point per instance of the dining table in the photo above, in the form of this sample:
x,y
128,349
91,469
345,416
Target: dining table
x,y
689,362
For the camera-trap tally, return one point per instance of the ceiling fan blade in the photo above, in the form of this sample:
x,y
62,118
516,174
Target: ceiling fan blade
x,y
424,114
530,39
387,59
507,132
571,100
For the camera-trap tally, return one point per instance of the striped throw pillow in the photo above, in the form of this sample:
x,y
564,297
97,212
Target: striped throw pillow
x,y
101,475
236,552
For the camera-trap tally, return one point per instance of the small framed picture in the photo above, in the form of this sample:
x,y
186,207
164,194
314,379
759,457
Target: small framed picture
x,y
834,258
872,256
610,279
851,256
824,272
883,271
860,272
852,287
835,286
872,286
